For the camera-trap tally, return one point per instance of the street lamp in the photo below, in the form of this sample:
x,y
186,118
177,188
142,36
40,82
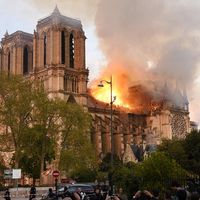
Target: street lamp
x,y
111,114
111,120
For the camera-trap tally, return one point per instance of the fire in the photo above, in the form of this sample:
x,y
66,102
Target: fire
x,y
104,93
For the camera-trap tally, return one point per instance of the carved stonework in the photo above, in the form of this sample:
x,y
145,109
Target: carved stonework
x,y
179,126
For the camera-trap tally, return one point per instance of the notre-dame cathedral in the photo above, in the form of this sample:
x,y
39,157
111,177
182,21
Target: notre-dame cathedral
x,y
55,54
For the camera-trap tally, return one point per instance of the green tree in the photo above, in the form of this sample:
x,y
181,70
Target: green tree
x,y
186,151
45,126
15,110
125,177
192,150
30,161
76,150
174,149
26,113
158,170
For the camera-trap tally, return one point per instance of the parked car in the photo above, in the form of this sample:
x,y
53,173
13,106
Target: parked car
x,y
86,189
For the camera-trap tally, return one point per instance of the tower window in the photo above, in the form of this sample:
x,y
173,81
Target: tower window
x,y
45,50
75,84
71,50
25,61
63,47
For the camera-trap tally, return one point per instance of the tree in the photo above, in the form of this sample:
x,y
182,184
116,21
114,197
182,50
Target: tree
x,y
174,149
125,177
45,125
27,113
158,170
186,151
15,110
192,149
76,150
30,161
30,120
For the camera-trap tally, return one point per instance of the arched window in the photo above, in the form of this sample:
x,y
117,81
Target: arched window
x,y
9,63
71,50
25,61
45,50
63,47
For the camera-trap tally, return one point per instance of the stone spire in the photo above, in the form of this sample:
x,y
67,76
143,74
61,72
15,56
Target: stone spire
x,y
56,11
6,33
185,96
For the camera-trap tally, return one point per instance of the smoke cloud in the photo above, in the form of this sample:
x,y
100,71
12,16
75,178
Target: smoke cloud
x,y
85,10
151,40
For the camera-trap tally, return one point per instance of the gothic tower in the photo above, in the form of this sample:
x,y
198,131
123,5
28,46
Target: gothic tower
x,y
59,57
16,53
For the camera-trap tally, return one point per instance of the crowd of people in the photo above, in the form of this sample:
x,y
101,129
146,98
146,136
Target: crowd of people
x,y
175,192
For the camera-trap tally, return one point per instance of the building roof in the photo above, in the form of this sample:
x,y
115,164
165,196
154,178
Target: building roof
x,y
137,151
56,18
18,35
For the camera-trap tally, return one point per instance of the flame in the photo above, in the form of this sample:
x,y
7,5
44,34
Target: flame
x,y
119,90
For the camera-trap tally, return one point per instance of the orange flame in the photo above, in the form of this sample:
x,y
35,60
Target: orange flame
x,y
119,87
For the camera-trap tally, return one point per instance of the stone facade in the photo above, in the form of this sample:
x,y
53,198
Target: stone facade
x,y
55,54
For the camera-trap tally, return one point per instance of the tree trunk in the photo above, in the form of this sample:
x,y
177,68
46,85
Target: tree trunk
x,y
42,166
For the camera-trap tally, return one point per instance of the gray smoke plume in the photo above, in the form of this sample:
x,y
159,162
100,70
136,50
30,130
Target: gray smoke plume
x,y
152,39
85,10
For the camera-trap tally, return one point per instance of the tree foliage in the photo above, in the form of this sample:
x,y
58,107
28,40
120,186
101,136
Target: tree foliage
x,y
158,170
45,126
32,147
15,110
126,178
33,126
186,151
77,152
174,149
191,146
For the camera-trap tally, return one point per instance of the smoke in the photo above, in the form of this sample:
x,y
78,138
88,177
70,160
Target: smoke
x,y
151,40
85,10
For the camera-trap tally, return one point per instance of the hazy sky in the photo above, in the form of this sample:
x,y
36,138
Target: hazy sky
x,y
146,39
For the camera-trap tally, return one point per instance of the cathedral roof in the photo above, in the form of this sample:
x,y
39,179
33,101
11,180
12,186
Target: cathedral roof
x,y
18,36
56,18
94,103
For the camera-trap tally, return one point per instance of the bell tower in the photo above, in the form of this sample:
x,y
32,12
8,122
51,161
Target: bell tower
x,y
59,57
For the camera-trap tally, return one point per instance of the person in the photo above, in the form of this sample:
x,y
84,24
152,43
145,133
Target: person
x,y
66,193
177,191
121,195
32,193
80,193
104,190
98,195
112,197
143,195
77,195
51,195
7,194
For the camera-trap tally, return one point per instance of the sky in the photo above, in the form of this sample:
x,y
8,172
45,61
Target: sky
x,y
135,40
